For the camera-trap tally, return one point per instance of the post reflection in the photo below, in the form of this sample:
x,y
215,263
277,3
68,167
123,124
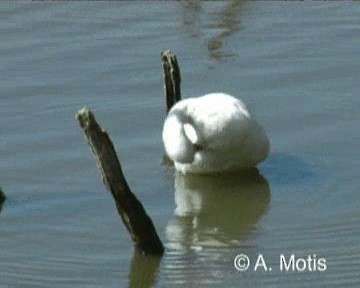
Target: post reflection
x,y
216,210
201,25
143,271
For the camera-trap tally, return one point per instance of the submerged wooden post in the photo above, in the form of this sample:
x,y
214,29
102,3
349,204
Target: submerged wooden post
x,y
132,212
172,79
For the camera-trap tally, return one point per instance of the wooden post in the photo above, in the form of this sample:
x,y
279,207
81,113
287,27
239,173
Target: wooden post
x,y
2,198
132,212
2,195
172,79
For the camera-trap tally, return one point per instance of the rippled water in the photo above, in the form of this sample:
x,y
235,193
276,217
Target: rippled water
x,y
297,67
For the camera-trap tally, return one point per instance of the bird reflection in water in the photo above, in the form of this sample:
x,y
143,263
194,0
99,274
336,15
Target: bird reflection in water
x,y
216,210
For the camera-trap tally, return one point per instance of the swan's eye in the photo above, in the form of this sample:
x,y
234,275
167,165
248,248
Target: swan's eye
x,y
198,147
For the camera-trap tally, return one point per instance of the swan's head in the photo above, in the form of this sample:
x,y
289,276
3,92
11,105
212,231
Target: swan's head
x,y
179,137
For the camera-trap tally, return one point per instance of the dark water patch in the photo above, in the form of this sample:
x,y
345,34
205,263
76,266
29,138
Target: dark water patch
x,y
283,169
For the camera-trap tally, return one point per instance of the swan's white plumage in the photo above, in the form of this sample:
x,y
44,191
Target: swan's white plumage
x,y
191,133
213,133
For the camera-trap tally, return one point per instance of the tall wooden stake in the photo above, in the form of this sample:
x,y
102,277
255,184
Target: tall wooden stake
x,y
172,79
132,212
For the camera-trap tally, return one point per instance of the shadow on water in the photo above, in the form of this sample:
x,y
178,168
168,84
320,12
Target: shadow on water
x,y
217,210
224,22
283,169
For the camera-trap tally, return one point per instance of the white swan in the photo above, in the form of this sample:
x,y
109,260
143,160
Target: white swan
x,y
213,133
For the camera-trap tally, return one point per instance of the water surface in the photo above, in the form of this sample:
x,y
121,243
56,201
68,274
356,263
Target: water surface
x,y
297,67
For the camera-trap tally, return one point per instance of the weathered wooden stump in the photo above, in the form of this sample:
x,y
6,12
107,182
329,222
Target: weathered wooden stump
x,y
2,196
172,79
2,199
132,212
